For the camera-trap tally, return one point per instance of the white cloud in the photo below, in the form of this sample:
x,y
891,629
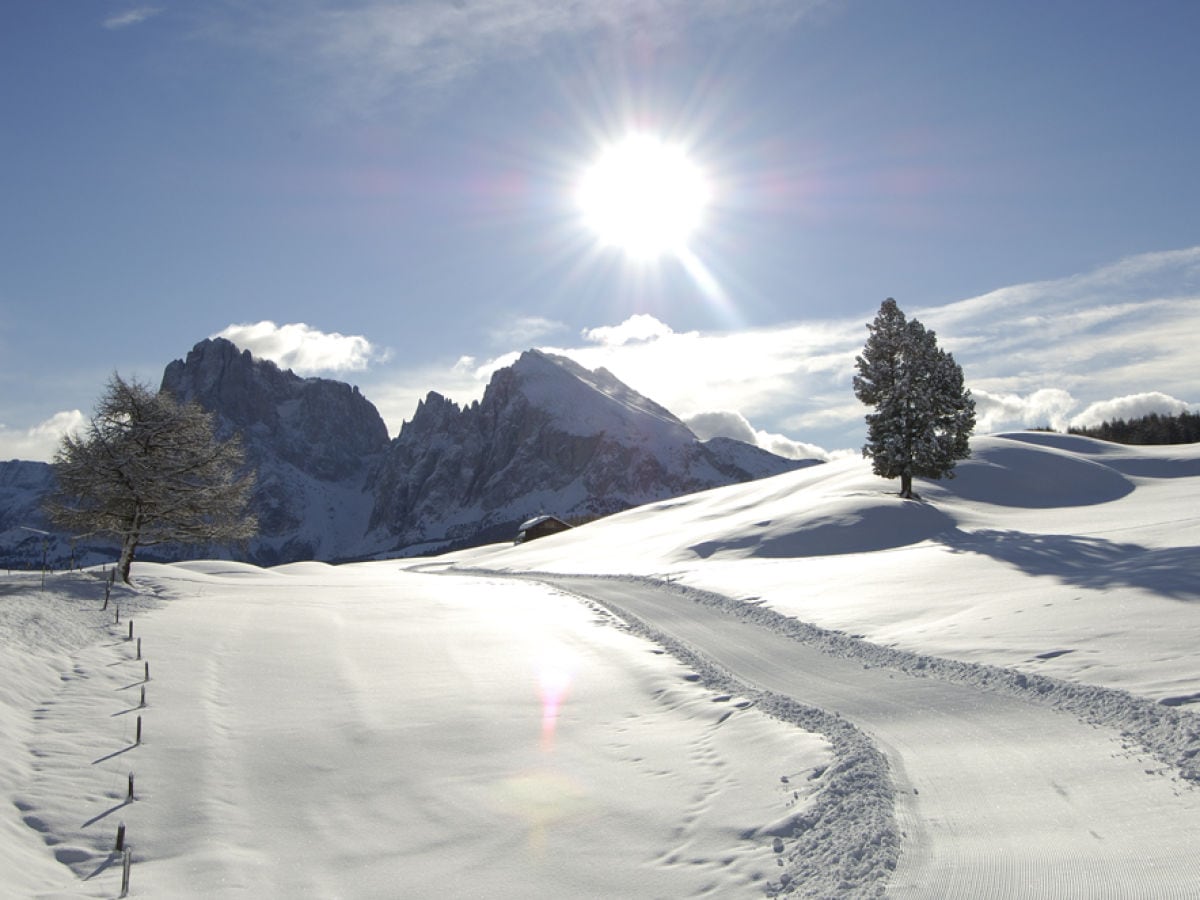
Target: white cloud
x,y
1132,406
638,327
726,423
997,412
40,442
723,423
131,17
302,348
784,446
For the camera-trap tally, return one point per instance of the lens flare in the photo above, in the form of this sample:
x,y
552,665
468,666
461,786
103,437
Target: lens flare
x,y
555,675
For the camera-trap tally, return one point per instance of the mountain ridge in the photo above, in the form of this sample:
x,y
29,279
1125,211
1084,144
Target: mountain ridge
x,y
548,436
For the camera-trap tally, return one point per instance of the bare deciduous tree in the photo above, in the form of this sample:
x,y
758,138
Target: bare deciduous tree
x,y
150,470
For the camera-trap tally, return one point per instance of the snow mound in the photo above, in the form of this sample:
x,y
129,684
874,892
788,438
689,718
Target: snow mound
x,y
856,524
1013,471
1158,461
217,568
309,567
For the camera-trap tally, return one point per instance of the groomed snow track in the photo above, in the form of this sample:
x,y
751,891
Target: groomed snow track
x,y
955,780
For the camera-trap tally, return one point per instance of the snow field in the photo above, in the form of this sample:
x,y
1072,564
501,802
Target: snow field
x,y
68,708
360,731
441,728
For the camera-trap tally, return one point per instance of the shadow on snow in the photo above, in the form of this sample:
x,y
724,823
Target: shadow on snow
x,y
1088,561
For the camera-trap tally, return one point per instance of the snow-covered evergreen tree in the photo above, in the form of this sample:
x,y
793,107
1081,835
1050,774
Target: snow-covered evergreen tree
x,y
923,415
149,470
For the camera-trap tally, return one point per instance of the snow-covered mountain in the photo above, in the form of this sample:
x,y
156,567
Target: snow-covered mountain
x,y
548,436
22,485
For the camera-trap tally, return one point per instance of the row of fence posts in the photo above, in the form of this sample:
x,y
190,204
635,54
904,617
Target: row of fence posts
x,y
121,845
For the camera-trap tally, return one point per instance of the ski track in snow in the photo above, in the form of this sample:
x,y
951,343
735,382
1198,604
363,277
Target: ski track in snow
x,y
377,733
996,791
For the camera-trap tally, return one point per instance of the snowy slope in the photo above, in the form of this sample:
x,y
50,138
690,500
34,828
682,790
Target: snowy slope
x,y
377,728
1042,543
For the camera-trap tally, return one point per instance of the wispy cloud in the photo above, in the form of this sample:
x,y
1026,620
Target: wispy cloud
x,y
41,441
302,348
1118,341
369,51
525,330
135,16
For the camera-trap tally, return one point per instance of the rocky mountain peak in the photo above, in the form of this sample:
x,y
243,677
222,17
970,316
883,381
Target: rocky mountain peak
x,y
323,427
549,436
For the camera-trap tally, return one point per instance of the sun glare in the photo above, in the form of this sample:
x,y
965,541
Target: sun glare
x,y
643,196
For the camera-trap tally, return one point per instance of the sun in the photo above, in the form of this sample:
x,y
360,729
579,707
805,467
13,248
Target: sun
x,y
644,196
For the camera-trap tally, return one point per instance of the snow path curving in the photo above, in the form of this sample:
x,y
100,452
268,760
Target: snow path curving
x,y
995,796
366,732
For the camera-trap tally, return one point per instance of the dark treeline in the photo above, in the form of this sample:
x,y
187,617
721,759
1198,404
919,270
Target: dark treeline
x,y
1152,429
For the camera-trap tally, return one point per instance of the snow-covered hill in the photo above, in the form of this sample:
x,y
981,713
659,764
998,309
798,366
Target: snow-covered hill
x,y
1056,553
375,728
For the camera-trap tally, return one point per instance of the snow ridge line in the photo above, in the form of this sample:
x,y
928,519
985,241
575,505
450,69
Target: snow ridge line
x,y
1169,734
847,844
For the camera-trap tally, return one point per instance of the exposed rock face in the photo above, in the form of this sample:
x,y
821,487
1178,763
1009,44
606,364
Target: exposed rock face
x,y
312,442
324,428
548,436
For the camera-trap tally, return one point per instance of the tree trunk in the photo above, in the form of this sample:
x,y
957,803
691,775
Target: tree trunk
x,y
906,485
128,547
126,560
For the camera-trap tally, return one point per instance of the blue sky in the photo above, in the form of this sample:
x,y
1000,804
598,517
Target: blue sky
x,y
385,192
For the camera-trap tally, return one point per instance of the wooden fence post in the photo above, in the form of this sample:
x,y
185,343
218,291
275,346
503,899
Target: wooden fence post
x,y
120,838
126,864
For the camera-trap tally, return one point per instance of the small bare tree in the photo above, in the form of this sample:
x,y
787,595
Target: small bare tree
x,y
149,470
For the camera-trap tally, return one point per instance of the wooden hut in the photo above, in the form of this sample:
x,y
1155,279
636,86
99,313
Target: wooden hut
x,y
539,526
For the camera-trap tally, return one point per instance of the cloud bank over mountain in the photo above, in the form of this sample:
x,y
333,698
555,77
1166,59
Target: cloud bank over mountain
x,y
302,348
1117,342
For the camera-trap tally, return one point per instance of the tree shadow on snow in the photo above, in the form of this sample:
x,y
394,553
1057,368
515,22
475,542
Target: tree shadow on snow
x,y
874,522
1087,561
